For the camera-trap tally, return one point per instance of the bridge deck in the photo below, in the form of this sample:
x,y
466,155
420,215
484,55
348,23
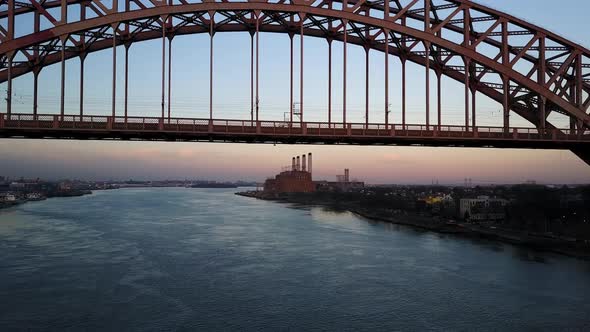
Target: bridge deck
x,y
155,128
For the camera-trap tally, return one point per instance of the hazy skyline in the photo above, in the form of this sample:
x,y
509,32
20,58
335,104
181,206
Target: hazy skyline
x,y
158,160
122,160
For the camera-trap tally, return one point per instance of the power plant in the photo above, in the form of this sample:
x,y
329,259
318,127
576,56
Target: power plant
x,y
297,179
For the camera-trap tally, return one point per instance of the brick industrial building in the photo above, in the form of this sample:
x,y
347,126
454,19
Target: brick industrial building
x,y
297,179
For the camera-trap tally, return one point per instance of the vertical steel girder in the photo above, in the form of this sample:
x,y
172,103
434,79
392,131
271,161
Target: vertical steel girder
x,y
257,64
251,76
9,86
439,99
301,72
403,93
366,86
211,34
163,62
62,104
126,81
427,82
344,23
170,76
329,82
114,83
386,79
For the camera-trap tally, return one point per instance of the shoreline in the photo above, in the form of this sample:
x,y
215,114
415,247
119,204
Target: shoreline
x,y
431,224
8,205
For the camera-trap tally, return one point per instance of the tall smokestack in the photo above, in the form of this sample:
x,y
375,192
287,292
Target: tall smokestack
x,y
303,163
309,162
298,164
346,175
293,164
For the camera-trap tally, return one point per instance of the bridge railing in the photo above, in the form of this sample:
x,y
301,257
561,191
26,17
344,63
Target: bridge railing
x,y
249,127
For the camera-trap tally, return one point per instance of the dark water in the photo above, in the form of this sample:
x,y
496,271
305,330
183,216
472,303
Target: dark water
x,y
205,259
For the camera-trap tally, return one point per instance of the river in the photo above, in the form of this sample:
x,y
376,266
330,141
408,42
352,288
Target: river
x,y
206,259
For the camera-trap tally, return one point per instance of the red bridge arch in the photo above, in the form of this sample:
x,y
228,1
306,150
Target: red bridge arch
x,y
528,70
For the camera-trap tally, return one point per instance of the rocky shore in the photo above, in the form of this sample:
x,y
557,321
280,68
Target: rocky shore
x,y
431,223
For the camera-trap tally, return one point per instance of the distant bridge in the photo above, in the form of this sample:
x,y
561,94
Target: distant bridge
x,y
529,71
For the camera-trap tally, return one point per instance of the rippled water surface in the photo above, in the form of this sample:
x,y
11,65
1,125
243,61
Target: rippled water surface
x,y
205,259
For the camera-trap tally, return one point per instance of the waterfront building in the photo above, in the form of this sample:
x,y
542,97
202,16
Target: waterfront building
x,y
34,196
7,197
482,208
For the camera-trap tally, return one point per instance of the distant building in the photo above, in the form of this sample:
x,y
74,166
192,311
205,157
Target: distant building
x,y
34,196
17,186
7,197
342,183
24,185
64,186
297,179
482,208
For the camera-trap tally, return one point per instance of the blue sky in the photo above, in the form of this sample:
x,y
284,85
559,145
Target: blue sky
x,y
232,100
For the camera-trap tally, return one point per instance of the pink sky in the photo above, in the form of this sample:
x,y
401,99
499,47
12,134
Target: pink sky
x,y
123,160
161,160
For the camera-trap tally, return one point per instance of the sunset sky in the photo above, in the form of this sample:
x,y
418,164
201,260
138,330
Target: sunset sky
x,y
220,161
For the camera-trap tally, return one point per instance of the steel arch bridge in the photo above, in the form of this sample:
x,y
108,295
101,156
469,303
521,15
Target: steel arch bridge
x,y
526,69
